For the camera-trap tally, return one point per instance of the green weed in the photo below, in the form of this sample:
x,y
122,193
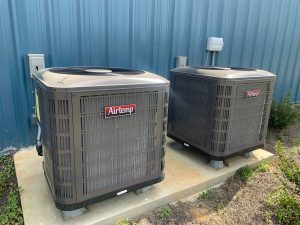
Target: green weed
x,y
125,221
6,172
281,136
263,167
11,213
209,194
283,113
244,173
285,201
268,216
220,206
286,208
296,141
165,211
287,165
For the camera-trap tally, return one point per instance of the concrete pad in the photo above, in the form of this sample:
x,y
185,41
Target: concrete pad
x,y
186,173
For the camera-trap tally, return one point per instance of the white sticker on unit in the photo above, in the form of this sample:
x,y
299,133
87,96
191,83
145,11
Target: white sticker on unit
x,y
122,192
186,144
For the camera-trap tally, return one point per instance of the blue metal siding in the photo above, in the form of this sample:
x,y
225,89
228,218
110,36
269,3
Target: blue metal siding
x,y
145,34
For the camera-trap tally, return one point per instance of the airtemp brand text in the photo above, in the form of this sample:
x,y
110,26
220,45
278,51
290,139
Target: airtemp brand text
x,y
252,93
120,110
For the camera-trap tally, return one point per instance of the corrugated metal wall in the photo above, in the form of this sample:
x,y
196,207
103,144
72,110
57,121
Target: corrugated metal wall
x,y
145,34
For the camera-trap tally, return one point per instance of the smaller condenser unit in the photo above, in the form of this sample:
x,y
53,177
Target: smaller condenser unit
x,y
220,111
103,131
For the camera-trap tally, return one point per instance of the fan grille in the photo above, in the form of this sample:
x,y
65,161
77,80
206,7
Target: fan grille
x,y
85,71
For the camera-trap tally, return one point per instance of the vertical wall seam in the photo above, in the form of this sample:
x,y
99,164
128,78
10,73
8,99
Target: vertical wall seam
x,y
107,34
79,31
152,34
131,22
171,27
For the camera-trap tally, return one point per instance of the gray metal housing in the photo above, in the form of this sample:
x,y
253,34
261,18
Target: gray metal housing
x,y
210,109
88,157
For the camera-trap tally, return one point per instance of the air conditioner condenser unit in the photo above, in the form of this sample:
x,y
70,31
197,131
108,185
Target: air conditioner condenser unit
x,y
220,111
103,131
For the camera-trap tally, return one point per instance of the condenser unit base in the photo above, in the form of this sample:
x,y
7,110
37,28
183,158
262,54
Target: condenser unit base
x,y
68,215
217,164
243,153
134,188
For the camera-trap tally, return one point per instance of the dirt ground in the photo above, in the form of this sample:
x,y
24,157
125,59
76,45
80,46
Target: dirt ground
x,y
234,202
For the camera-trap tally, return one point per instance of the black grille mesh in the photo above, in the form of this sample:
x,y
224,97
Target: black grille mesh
x,y
127,143
84,71
58,158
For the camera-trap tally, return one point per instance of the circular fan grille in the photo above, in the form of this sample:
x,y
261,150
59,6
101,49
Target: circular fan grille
x,y
211,68
95,71
222,68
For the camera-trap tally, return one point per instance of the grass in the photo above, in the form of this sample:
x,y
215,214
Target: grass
x,y
6,173
296,141
285,207
125,221
263,167
268,216
284,202
220,206
244,173
209,194
287,165
11,213
283,113
281,136
10,204
296,150
165,211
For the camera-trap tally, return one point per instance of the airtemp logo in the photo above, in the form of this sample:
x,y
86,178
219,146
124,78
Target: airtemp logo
x,y
120,110
252,93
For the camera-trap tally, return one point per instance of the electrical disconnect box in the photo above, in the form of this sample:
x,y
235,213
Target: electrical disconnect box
x,y
36,62
215,44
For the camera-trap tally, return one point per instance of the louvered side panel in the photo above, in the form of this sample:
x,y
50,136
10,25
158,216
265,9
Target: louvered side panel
x,y
249,116
57,130
190,103
46,116
222,103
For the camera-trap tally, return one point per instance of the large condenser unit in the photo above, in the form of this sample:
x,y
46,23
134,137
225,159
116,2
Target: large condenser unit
x,y
220,111
103,131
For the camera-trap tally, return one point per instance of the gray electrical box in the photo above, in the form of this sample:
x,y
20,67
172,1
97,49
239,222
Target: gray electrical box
x,y
103,131
214,44
181,61
220,111
36,62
